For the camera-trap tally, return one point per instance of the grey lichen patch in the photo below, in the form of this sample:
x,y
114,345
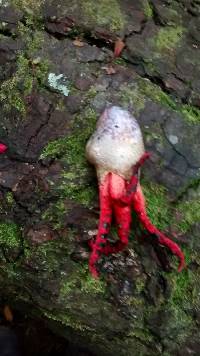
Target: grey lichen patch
x,y
59,83
104,13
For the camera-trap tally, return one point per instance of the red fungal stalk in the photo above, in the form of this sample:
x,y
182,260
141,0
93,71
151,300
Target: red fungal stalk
x,y
140,209
104,225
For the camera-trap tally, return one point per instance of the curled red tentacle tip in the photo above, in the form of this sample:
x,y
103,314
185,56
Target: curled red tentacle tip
x,y
182,265
3,148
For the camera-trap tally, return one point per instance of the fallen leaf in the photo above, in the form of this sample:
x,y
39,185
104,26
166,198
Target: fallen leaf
x,y
7,312
78,43
119,46
109,70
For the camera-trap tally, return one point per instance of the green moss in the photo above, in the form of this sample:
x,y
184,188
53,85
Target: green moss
x,y
189,214
120,61
10,272
31,7
155,93
47,256
180,288
141,334
73,147
104,13
180,325
130,95
55,213
67,320
89,285
10,235
77,284
147,9
81,278
184,298
181,215
9,198
91,93
190,114
28,74
11,89
168,38
67,286
158,206
74,183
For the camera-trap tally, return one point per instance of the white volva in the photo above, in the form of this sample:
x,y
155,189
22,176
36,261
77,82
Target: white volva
x,y
117,144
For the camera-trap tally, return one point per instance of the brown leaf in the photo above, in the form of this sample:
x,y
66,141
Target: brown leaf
x,y
7,312
119,46
109,70
78,43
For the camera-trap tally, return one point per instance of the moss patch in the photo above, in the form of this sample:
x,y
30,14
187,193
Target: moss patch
x,y
67,320
162,213
190,113
147,9
189,214
131,96
104,13
83,280
158,206
74,184
184,299
9,235
168,38
31,7
29,73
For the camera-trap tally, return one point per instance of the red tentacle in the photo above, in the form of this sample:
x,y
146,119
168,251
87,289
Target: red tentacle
x,y
123,220
104,225
132,185
139,207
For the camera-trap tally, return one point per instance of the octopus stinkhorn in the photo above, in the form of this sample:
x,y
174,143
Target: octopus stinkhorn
x,y
117,151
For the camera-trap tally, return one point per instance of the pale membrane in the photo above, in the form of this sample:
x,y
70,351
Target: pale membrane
x,y
117,144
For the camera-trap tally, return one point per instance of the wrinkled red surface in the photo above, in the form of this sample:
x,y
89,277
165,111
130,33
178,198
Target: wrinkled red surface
x,y
117,197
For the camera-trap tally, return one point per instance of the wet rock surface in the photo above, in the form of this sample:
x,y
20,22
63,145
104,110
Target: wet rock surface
x,y
57,74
